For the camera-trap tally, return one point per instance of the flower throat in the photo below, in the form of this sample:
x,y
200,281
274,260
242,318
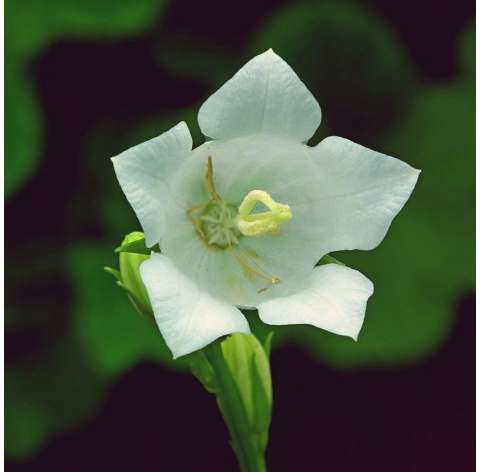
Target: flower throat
x,y
220,224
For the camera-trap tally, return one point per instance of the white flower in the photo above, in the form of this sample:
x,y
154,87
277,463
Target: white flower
x,y
220,250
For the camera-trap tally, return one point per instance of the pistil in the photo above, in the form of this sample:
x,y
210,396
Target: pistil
x,y
265,222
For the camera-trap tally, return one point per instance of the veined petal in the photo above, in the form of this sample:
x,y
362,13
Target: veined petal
x,y
265,95
360,193
333,298
188,317
144,171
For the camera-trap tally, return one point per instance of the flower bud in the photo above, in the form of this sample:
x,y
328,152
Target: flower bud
x,y
129,275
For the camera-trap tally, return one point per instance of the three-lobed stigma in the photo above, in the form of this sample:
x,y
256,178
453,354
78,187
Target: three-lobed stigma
x,y
264,222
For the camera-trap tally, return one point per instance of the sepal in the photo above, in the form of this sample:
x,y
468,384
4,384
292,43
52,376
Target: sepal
x,y
237,370
135,243
203,371
249,366
328,259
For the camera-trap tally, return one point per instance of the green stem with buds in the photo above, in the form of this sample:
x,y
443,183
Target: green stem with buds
x,y
244,441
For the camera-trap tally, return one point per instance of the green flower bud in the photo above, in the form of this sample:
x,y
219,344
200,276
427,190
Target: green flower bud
x,y
129,275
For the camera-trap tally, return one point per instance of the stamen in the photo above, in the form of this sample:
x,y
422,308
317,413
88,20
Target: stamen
x,y
196,223
209,180
252,271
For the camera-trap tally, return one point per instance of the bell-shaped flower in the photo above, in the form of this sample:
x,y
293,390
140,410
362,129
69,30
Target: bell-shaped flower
x,y
243,219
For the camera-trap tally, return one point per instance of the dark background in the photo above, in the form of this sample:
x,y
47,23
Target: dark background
x,y
80,393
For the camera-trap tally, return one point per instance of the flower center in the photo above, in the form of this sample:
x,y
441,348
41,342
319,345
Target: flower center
x,y
218,223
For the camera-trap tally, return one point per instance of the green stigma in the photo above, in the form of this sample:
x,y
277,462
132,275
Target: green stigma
x,y
265,222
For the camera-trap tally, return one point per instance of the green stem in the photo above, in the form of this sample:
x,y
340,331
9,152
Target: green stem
x,y
244,441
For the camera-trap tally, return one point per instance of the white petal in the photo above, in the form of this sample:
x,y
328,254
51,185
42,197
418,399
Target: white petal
x,y
144,172
188,317
333,298
360,193
265,95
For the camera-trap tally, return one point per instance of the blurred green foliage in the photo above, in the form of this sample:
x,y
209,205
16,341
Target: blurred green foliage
x,y
49,393
368,90
57,388
31,26
23,128
213,63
